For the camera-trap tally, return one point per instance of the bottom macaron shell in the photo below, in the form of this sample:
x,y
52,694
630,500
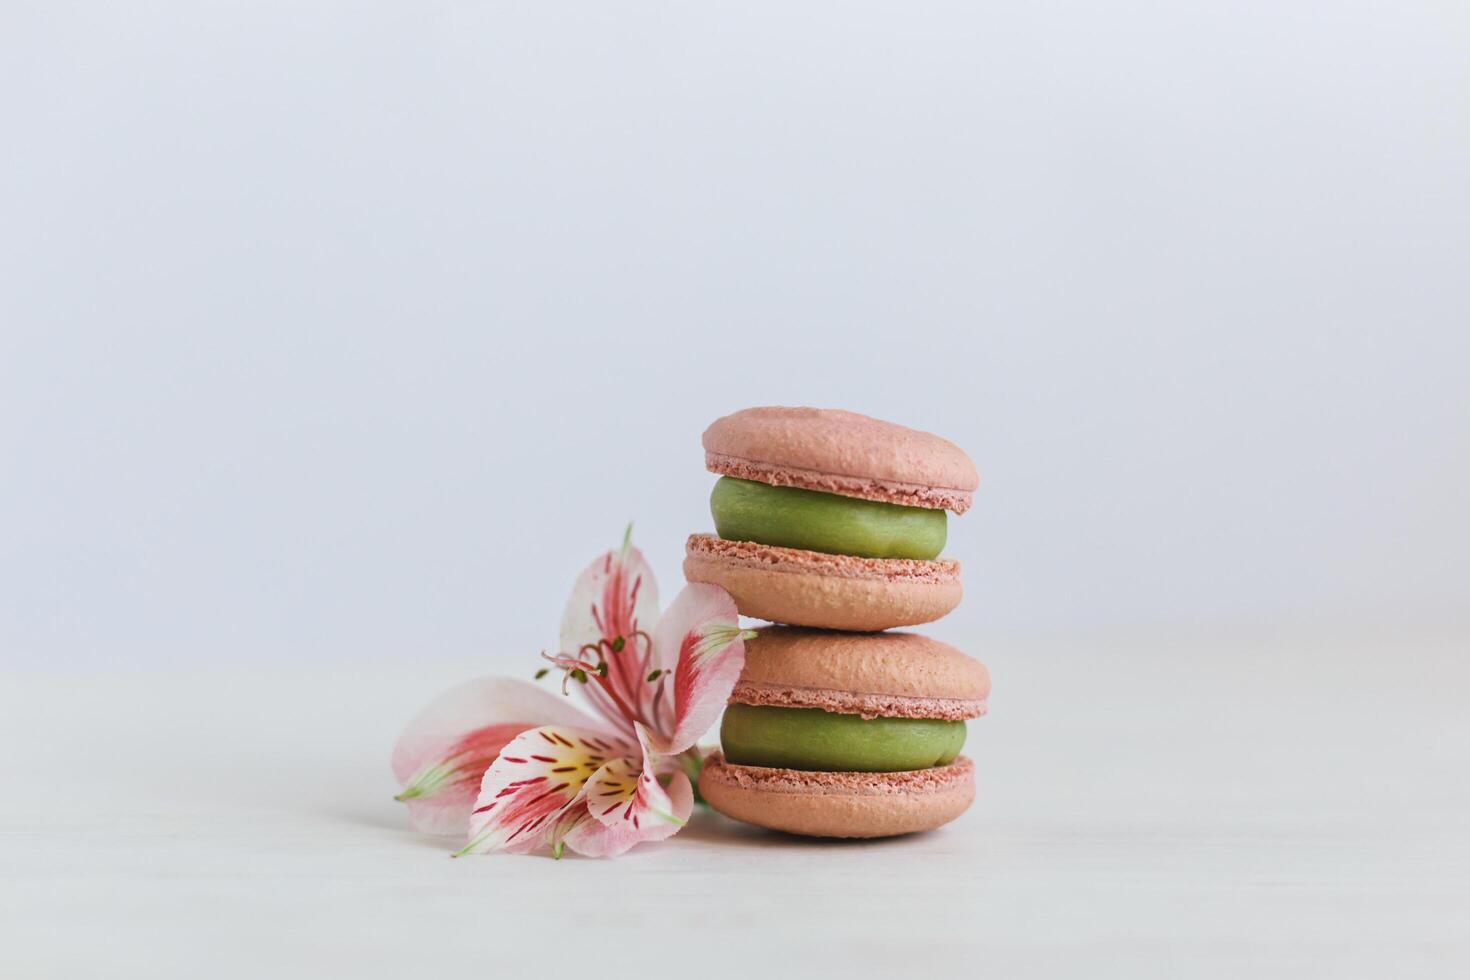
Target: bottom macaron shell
x,y
839,804
808,588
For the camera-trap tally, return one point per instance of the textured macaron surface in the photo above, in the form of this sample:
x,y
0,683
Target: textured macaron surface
x,y
791,517
843,453
896,675
809,588
816,740
839,804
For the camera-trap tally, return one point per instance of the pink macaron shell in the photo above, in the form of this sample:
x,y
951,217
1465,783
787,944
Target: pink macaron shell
x,y
838,592
841,452
839,804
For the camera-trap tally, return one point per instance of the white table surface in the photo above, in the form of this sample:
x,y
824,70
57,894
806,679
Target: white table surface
x,y
1256,805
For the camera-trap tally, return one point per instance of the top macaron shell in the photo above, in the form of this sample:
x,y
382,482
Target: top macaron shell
x,y
844,453
903,675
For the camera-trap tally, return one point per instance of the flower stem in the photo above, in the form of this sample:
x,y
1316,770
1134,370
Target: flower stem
x,y
691,760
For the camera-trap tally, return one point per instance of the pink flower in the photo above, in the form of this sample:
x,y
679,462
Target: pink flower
x,y
524,770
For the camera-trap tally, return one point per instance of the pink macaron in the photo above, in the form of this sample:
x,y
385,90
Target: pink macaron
x,y
897,474
818,747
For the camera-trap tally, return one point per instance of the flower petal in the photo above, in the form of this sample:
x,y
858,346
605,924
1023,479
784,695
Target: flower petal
x,y
614,607
591,837
701,641
443,753
626,790
537,777
614,596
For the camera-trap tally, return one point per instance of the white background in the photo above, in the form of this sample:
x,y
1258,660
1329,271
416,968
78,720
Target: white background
x,y
336,338
355,330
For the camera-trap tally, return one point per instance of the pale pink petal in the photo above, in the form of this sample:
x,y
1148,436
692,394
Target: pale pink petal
x,y
591,837
442,755
627,791
701,641
537,777
439,795
614,609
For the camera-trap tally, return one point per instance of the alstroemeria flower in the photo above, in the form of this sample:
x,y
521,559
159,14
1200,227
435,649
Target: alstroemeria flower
x,y
561,778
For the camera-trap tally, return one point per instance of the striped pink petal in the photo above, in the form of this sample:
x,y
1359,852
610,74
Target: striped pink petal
x,y
591,837
610,617
701,641
537,778
627,791
442,755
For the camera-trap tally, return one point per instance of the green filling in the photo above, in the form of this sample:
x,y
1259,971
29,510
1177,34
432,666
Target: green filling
x,y
813,521
816,740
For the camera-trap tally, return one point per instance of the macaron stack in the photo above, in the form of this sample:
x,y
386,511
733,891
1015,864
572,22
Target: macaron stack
x,y
831,524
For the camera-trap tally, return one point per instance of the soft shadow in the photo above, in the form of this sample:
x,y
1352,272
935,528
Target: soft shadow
x,y
710,827
706,826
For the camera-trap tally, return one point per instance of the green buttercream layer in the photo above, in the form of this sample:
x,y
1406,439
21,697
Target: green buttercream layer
x,y
821,741
789,517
